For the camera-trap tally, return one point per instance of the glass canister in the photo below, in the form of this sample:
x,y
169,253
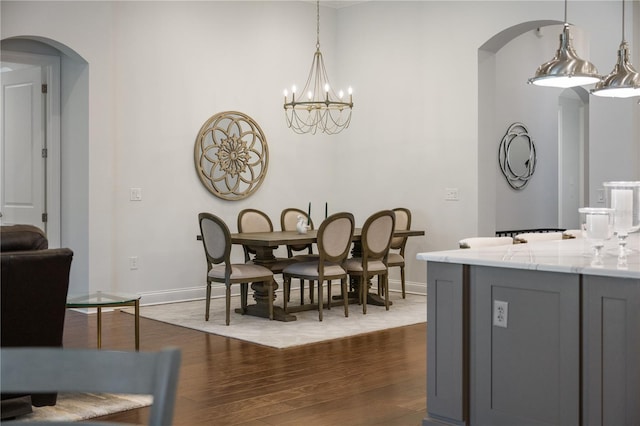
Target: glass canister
x,y
624,199
597,226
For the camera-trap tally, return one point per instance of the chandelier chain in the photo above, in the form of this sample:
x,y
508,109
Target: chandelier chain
x,y
318,25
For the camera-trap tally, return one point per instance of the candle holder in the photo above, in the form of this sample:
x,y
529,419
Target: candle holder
x,y
597,227
624,199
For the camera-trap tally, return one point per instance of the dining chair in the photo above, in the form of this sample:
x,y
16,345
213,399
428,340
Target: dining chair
x,y
216,240
48,369
377,233
475,242
288,222
252,220
334,242
529,237
571,233
396,249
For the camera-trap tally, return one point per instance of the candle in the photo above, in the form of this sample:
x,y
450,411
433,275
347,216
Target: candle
x,y
597,226
622,203
309,214
326,209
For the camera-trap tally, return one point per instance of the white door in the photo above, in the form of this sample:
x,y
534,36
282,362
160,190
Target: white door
x,y
22,174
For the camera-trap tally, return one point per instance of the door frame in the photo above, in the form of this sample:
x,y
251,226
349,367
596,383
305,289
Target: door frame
x,y
50,66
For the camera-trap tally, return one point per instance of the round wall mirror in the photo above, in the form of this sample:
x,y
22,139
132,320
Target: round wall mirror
x,y
517,156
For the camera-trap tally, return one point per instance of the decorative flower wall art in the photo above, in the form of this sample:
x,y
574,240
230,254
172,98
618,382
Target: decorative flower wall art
x,y
231,155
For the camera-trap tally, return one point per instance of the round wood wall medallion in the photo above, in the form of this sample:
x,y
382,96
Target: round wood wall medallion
x,y
231,155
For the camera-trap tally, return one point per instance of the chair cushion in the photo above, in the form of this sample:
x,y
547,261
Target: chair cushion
x,y
394,259
310,269
245,271
355,265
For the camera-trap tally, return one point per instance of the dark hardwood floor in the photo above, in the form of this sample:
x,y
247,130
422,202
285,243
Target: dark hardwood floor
x,y
373,379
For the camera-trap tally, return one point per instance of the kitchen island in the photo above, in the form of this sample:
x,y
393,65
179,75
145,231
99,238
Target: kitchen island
x,y
533,334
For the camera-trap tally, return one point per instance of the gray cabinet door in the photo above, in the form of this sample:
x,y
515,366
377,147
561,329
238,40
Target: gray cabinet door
x,y
527,373
611,351
447,342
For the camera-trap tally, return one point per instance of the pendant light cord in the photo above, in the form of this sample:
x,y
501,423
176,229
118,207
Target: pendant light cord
x,y
623,20
318,25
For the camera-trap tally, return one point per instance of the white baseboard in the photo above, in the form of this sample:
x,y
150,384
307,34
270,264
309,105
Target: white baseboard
x,y
217,290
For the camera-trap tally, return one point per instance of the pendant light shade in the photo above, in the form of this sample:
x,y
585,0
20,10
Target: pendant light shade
x,y
624,80
566,69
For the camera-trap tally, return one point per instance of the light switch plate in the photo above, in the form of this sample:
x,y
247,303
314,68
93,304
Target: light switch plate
x,y
135,194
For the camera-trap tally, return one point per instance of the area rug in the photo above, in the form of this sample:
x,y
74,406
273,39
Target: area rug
x,y
72,407
306,329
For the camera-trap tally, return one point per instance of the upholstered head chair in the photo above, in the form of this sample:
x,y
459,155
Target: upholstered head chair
x,y
572,233
475,242
334,242
376,240
288,222
529,237
216,239
396,250
252,220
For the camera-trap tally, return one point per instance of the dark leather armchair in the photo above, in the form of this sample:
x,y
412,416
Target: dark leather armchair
x,y
34,284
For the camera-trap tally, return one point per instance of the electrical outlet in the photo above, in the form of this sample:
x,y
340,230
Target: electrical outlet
x,y
500,313
451,194
133,262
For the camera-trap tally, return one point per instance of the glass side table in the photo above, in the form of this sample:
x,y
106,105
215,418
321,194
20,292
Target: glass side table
x,y
101,300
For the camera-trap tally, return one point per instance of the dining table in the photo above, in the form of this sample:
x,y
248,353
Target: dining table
x,y
265,243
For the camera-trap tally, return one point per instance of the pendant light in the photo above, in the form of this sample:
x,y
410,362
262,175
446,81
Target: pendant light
x,y
624,80
566,69
318,107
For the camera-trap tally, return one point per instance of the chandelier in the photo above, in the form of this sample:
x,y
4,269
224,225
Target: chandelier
x,y
318,107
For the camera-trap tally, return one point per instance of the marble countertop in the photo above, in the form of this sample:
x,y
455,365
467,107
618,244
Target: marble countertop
x,y
570,256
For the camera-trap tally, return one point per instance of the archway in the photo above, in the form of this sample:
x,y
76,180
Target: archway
x,y
505,62
73,149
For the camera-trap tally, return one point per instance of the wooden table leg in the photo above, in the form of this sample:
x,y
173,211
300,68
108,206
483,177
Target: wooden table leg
x,y
137,323
99,331
261,307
